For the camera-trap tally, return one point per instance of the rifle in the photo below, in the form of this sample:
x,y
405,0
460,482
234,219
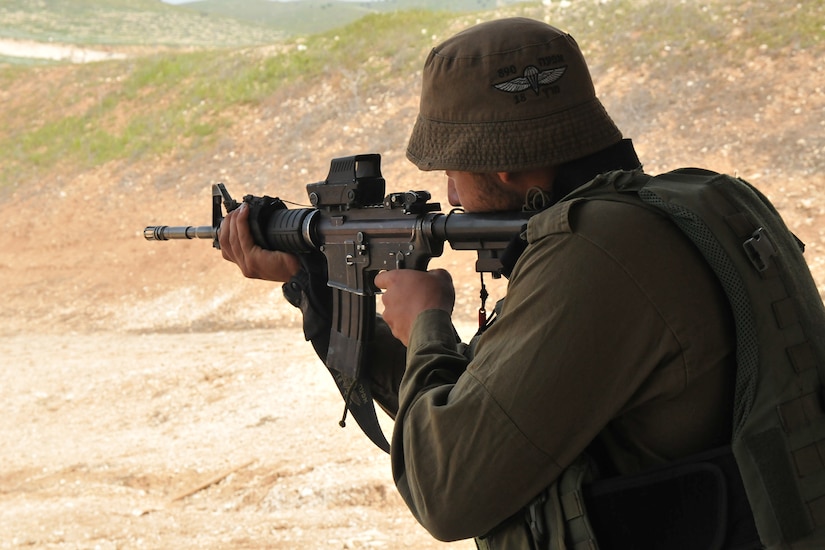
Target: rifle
x,y
361,232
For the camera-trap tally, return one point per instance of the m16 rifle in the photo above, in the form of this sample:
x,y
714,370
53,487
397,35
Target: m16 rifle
x,y
360,231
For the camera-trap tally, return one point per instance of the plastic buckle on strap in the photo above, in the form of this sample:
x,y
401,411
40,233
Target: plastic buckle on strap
x,y
759,248
535,519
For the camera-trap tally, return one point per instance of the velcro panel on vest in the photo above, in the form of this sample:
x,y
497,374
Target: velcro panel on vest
x,y
802,357
678,508
767,450
779,419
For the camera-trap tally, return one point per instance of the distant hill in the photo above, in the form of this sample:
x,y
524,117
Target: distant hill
x,y
206,23
312,16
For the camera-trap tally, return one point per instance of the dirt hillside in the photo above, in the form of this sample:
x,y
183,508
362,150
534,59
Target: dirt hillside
x,y
153,398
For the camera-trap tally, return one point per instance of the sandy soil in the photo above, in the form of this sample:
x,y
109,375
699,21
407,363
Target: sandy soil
x,y
199,440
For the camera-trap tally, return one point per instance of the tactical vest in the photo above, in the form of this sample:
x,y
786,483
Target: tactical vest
x,y
778,440
779,408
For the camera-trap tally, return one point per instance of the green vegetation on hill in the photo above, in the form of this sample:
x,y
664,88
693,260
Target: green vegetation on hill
x,y
153,104
205,23
156,103
312,16
294,18
126,22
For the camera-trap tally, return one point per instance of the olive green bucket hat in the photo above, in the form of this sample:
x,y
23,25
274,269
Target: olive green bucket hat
x,y
507,95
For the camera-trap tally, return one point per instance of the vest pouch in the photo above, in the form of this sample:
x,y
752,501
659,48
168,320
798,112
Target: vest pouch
x,y
696,504
555,520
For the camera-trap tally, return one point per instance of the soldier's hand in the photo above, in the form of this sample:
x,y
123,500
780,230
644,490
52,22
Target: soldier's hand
x,y
255,262
408,292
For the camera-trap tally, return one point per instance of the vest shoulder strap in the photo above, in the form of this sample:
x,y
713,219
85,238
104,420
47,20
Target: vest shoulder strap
x,y
779,417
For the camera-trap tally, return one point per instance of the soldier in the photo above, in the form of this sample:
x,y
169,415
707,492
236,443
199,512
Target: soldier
x,y
613,351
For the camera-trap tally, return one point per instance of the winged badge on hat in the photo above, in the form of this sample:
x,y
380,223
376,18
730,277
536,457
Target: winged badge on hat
x,y
533,78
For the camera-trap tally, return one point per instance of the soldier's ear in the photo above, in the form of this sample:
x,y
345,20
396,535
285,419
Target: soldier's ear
x,y
516,180
541,177
509,178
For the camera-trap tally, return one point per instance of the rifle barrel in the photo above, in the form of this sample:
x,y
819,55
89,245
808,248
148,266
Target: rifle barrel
x,y
166,232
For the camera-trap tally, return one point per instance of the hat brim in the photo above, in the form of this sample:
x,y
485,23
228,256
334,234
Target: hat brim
x,y
512,145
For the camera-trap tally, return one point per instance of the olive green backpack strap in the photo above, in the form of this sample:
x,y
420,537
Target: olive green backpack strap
x,y
779,417
778,436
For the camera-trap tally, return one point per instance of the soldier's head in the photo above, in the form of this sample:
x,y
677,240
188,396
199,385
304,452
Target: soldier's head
x,y
508,96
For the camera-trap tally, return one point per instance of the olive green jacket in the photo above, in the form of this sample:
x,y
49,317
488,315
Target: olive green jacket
x,y
613,329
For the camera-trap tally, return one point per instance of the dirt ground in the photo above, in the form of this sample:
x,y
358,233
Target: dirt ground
x,y
199,440
153,398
